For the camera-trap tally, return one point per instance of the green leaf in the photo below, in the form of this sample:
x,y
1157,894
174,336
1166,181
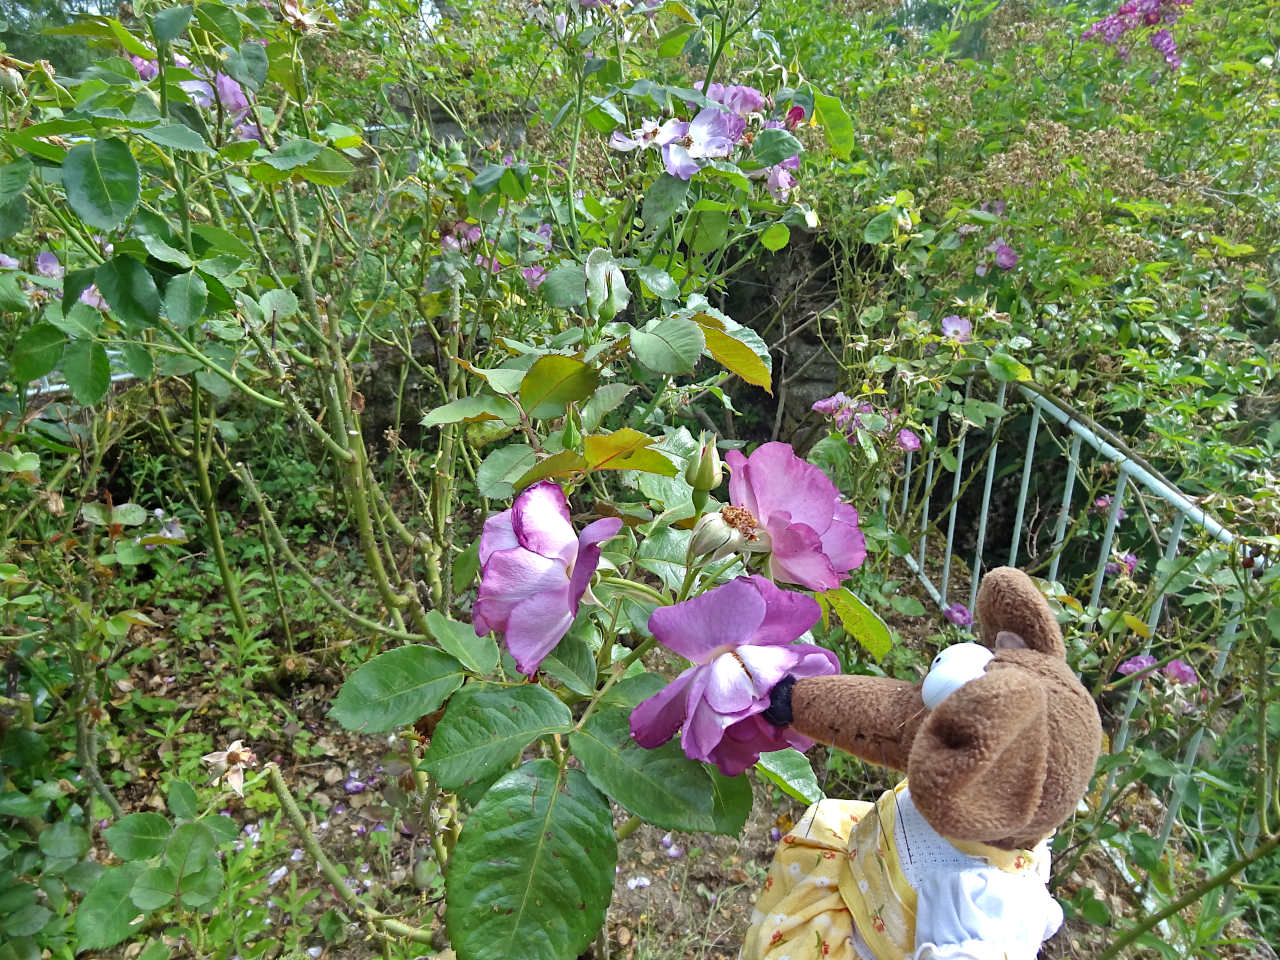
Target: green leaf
x,y
169,24
139,836
790,770
221,22
185,298
182,800
533,871
101,181
293,154
329,168
1005,368
659,282
87,370
831,115
202,887
671,346
566,286
278,304
605,399
472,410
64,841
189,848
162,250
496,476
880,227
396,688
37,352
106,915
248,66
486,727
13,179
129,290
573,663
13,299
859,621
907,606
13,216
735,355
555,380
774,146
662,200
154,888
661,786
176,136
775,237
477,654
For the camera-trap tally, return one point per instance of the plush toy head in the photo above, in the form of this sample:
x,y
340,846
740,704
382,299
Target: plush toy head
x,y
999,747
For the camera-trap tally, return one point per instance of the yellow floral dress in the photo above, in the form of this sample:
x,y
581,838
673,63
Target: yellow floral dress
x,y
872,881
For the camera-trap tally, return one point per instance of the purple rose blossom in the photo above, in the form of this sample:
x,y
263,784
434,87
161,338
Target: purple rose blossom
x,y
1128,563
740,638
230,94
742,100
1006,258
832,406
147,69
1140,664
8,263
908,440
644,136
48,265
957,328
711,134
534,571
795,117
1179,671
959,614
534,276
790,508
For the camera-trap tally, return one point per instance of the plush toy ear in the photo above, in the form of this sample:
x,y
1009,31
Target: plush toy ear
x,y
1015,615
978,763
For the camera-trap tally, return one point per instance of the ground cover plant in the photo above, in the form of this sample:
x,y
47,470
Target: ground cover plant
x,y
395,400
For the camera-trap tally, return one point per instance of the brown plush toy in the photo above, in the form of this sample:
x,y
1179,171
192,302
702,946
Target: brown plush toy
x,y
999,746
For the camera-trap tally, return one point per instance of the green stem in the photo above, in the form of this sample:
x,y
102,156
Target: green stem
x,y
312,846
199,427
1191,896
629,827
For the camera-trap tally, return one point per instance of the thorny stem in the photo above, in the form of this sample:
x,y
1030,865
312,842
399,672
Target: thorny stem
x,y
210,508
312,846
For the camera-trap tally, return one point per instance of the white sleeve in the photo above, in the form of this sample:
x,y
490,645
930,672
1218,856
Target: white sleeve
x,y
983,914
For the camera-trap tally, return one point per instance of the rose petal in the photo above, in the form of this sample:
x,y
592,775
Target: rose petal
x,y
798,558
730,687
536,625
843,542
723,617
787,614
780,480
589,542
510,577
766,665
540,517
498,534
656,720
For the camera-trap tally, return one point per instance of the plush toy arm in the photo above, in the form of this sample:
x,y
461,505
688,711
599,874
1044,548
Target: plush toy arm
x,y
873,718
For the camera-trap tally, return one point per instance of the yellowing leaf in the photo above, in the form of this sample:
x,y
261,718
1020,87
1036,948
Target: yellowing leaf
x,y
560,464
1137,626
732,354
860,621
626,449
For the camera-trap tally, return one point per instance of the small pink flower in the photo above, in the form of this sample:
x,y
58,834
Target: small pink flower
x,y
1140,665
48,265
795,117
908,440
959,614
534,571
1179,671
957,328
534,276
229,764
